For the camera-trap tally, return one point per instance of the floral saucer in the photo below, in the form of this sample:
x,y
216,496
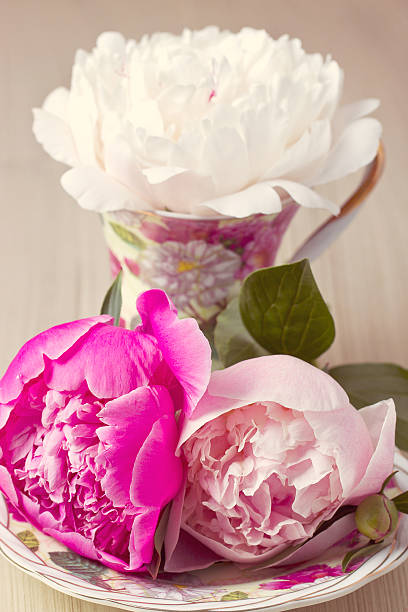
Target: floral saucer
x,y
217,588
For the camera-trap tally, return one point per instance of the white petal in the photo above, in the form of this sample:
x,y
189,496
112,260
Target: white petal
x,y
83,114
159,151
56,103
259,198
161,174
55,136
350,112
95,190
299,160
357,146
182,192
111,42
225,159
162,187
305,196
146,114
123,166
265,136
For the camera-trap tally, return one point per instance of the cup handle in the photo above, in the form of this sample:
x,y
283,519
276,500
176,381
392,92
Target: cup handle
x,y
324,235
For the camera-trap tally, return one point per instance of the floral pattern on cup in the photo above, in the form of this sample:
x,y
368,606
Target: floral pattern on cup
x,y
200,263
192,273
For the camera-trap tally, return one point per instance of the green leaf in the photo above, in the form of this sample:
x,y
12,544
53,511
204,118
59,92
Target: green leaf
x,y
280,557
79,566
401,502
232,340
284,311
234,595
368,383
127,236
340,513
365,551
112,304
29,539
387,480
159,535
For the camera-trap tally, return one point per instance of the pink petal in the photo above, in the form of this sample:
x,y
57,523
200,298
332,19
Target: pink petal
x,y
189,554
184,347
74,541
113,361
320,543
122,440
345,432
52,343
173,526
283,379
157,472
380,420
7,486
142,537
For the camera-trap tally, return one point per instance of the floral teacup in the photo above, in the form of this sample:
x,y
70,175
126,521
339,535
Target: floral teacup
x,y
201,262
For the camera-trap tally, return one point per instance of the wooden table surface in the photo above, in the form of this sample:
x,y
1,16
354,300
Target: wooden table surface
x,y
53,262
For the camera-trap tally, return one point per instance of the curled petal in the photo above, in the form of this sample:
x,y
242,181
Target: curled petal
x,y
184,347
380,420
96,190
305,196
328,454
356,147
189,554
206,122
122,441
348,113
265,379
132,358
51,344
303,155
320,543
140,546
182,191
259,198
51,127
157,459
55,137
345,432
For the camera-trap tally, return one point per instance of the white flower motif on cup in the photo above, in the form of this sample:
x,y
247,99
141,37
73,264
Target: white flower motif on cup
x,y
195,271
207,122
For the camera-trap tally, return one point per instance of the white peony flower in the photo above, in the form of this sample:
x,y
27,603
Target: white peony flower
x,y
204,123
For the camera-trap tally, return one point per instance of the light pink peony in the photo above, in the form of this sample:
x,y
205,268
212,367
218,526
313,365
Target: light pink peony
x,y
273,449
88,428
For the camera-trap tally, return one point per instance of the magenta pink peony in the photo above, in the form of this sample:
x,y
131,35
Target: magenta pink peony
x,y
88,428
273,449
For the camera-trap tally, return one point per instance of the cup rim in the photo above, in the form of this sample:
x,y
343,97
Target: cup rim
x,y
189,217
